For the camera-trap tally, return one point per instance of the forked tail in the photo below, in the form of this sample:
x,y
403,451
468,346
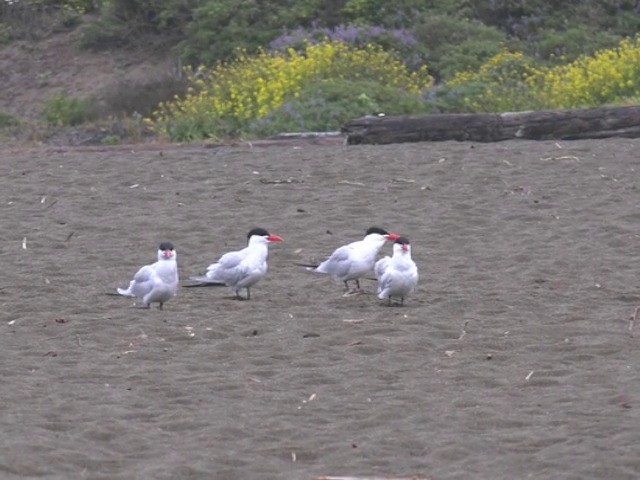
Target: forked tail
x,y
203,281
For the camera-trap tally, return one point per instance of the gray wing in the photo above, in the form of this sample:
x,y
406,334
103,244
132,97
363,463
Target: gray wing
x,y
141,284
143,281
229,269
337,264
231,259
381,267
385,280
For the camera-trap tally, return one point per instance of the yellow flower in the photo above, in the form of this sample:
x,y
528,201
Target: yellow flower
x,y
251,86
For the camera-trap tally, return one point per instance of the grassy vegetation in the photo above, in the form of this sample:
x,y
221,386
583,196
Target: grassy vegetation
x,y
63,110
248,93
513,81
257,68
7,120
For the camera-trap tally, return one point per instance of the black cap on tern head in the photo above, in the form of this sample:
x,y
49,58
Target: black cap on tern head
x,y
402,241
257,231
166,246
378,230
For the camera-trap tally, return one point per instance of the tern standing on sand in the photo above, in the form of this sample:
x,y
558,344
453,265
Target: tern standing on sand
x,y
397,275
158,282
243,268
354,260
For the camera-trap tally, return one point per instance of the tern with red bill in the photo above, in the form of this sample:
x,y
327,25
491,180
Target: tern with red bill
x,y
158,282
397,275
243,268
354,260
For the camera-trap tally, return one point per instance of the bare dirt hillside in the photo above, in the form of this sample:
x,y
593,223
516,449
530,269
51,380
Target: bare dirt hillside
x,y
32,71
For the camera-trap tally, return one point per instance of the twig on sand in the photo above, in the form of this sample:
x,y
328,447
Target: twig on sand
x,y
349,182
402,180
633,319
350,477
289,135
50,205
464,330
280,181
564,157
353,320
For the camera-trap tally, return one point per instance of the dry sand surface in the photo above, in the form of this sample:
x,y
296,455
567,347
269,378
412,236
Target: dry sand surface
x,y
513,359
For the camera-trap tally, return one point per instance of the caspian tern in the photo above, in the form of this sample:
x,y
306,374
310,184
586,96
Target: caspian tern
x,y
244,268
397,275
355,260
158,282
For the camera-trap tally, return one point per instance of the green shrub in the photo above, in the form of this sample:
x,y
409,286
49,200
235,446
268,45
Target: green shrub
x,y
5,33
226,99
397,14
126,22
7,120
609,76
568,44
398,40
325,105
500,84
221,28
63,110
512,81
102,34
127,96
111,140
71,16
455,44
526,20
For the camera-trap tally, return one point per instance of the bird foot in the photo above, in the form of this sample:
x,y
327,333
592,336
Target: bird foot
x,y
393,303
356,291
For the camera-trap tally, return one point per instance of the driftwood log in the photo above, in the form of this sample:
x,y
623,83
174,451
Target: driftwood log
x,y
601,122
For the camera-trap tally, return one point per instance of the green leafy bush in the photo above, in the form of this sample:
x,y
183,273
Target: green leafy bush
x,y
400,41
103,33
609,76
397,14
500,84
128,96
5,33
111,140
381,12
222,28
512,81
453,44
326,104
226,99
35,19
125,22
526,19
7,120
565,45
63,110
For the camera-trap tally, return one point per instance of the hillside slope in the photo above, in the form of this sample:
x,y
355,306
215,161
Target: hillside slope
x,y
31,72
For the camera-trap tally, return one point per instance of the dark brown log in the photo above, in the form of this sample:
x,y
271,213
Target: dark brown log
x,y
601,122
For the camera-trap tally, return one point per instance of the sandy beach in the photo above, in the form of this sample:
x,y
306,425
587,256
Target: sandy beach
x,y
513,359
